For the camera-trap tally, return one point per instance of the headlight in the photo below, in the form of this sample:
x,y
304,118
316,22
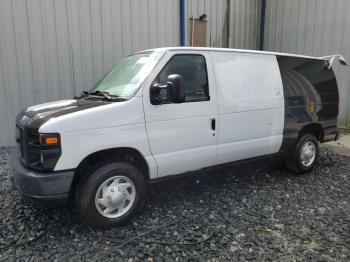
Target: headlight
x,y
44,151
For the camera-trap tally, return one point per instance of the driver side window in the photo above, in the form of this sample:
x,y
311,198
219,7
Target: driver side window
x,y
193,70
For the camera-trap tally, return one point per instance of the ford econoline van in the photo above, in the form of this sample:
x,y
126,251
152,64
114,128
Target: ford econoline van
x,y
169,111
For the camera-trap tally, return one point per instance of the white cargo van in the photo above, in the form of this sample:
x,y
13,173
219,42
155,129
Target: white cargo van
x,y
169,111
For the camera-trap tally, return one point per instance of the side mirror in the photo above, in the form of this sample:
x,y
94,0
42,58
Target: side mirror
x,y
172,92
176,88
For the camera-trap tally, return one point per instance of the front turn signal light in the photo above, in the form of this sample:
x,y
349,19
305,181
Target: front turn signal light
x,y
46,139
51,140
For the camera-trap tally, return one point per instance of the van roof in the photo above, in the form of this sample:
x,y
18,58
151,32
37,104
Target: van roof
x,y
235,50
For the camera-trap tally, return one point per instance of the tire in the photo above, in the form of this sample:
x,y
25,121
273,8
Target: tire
x,y
298,159
107,186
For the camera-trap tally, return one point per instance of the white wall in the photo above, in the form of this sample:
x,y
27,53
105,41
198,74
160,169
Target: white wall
x,y
313,27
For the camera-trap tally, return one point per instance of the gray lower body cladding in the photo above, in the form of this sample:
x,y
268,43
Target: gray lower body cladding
x,y
41,186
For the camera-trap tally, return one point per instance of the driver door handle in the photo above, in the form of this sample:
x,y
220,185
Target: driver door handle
x,y
213,124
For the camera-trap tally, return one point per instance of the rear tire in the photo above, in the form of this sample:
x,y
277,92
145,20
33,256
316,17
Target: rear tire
x,y
110,195
304,155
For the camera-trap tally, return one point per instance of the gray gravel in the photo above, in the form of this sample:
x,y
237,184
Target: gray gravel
x,y
257,211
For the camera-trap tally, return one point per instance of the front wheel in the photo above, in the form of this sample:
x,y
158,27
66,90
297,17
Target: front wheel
x,y
110,195
304,155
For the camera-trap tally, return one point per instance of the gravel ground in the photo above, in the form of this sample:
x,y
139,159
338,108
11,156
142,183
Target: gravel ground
x,y
253,212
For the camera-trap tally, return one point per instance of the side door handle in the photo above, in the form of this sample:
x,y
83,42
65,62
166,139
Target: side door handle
x,y
213,124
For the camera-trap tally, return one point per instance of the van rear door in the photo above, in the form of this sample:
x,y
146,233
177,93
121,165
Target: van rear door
x,y
183,136
251,105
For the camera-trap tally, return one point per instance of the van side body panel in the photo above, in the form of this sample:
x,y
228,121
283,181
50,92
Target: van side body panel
x,y
311,96
251,105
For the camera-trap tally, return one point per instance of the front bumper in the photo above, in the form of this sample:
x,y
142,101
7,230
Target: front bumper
x,y
49,187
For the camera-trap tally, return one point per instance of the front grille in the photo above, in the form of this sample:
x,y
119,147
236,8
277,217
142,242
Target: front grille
x,y
30,153
21,144
20,141
25,139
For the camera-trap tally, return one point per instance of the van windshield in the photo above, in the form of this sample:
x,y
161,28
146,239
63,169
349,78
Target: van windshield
x,y
125,78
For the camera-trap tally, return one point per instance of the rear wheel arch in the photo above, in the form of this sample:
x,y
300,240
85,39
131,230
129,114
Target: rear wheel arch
x,y
315,129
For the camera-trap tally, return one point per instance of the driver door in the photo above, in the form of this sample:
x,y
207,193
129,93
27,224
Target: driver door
x,y
183,136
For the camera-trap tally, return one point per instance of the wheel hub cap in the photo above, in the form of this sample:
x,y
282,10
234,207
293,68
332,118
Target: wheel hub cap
x,y
115,196
308,153
115,199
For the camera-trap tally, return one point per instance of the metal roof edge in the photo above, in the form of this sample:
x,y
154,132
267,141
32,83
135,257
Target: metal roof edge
x,y
235,50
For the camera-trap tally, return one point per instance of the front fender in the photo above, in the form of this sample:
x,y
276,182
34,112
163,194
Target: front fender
x,y
76,146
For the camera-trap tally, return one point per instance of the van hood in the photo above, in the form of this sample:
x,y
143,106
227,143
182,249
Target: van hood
x,y
39,114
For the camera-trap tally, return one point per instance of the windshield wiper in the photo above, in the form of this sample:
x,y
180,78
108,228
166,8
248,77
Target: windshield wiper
x,y
101,94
